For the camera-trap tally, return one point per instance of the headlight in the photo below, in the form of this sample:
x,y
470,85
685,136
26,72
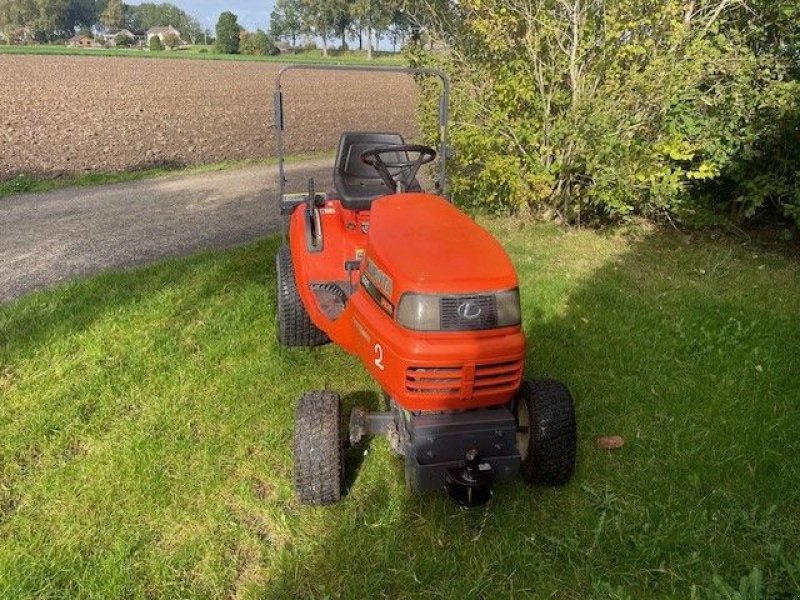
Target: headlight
x,y
508,309
466,312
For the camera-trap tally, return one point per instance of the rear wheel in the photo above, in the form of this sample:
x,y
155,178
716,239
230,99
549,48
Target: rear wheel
x,y
546,432
318,455
294,325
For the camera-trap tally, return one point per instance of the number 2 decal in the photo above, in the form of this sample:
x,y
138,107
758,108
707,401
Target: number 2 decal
x,y
379,357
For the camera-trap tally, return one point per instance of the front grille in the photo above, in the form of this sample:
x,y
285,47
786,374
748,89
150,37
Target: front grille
x,y
434,380
470,380
497,376
468,313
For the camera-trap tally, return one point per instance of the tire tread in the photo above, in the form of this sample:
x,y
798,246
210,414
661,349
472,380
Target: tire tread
x,y
294,325
551,459
318,458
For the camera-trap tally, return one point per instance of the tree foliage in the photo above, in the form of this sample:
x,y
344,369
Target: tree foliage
x,y
285,21
143,16
155,44
51,19
328,20
113,16
373,17
608,108
46,19
228,33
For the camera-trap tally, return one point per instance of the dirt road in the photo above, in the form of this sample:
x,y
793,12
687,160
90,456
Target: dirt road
x,y
49,238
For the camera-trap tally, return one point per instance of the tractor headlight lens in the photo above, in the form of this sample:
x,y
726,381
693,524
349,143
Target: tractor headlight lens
x,y
419,312
508,310
464,312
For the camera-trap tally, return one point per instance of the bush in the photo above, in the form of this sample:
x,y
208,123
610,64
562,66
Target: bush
x,y
122,41
626,108
257,44
172,41
155,44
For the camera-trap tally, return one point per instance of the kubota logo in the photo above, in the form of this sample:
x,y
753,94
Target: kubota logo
x,y
469,310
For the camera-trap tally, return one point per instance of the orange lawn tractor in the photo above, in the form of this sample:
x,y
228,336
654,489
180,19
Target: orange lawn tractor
x,y
429,302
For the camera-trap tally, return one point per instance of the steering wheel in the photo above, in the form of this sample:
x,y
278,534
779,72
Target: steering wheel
x,y
404,170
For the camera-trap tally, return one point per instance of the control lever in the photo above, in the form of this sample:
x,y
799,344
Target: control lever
x,y
350,266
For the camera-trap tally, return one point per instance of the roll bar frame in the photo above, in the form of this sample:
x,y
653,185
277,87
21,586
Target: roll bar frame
x,y
444,108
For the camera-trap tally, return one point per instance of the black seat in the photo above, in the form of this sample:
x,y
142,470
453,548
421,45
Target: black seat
x,y
356,183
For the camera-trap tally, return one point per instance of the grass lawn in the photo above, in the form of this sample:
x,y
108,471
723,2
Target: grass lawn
x,y
356,57
147,422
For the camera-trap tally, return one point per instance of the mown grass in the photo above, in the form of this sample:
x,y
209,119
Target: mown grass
x,y
147,422
208,53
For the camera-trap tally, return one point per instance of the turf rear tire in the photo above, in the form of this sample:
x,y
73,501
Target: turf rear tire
x,y
547,435
318,453
294,325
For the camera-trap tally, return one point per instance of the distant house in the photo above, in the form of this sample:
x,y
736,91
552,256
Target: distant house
x,y
109,36
160,33
82,41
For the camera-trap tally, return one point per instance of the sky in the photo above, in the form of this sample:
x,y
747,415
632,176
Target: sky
x,y
253,14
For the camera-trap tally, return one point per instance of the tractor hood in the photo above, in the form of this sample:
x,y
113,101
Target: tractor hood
x,y
422,243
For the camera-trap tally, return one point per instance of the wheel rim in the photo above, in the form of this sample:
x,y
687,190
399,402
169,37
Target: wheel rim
x,y
523,429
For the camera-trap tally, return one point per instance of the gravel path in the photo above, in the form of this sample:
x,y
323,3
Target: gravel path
x,y
46,239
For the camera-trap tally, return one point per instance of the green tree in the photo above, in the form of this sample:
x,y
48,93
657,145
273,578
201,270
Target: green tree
x,y
342,20
227,34
373,18
285,21
324,19
317,17
155,44
399,29
51,21
192,30
143,16
82,13
113,16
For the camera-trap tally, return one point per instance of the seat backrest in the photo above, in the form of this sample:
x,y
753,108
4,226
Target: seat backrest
x,y
358,184
353,143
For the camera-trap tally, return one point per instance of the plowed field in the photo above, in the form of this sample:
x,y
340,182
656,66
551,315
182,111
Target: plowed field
x,y
76,114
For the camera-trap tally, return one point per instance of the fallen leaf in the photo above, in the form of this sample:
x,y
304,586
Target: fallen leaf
x,y
610,442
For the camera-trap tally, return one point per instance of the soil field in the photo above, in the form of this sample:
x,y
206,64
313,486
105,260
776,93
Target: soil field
x,y
77,114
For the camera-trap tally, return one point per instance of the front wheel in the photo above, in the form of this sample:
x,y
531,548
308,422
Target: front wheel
x,y
546,432
318,455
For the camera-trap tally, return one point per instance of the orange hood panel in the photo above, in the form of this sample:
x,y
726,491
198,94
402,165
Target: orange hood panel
x,y
425,244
